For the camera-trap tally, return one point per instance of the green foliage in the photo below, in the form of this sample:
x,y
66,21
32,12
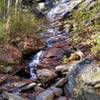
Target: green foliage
x,y
21,22
87,18
96,45
3,35
86,23
84,18
65,60
2,8
25,23
1,4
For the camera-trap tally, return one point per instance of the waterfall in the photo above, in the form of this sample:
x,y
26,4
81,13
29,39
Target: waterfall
x,y
34,63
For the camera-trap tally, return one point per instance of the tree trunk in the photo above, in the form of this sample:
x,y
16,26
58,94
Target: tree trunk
x,y
8,16
16,6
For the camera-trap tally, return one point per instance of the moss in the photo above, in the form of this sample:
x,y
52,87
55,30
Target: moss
x,y
85,20
65,59
7,68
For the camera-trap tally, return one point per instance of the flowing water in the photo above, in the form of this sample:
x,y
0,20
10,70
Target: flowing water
x,y
34,63
54,14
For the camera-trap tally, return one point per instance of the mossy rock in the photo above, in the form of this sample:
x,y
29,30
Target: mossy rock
x,y
9,58
7,68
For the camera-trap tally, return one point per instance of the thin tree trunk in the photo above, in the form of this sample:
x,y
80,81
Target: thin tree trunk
x,y
4,10
8,16
16,6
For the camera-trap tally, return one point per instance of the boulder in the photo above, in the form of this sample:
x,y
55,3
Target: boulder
x,y
54,55
45,74
29,44
82,72
9,57
57,91
46,95
49,94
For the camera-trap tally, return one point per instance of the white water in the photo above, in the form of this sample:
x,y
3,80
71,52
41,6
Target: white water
x,y
34,63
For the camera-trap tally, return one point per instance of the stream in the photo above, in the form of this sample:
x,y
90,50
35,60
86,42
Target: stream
x,y
55,14
58,70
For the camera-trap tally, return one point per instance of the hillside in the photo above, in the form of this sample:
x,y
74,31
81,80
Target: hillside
x,y
49,50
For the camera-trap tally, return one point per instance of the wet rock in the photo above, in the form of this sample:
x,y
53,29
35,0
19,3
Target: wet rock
x,y
49,94
46,95
29,44
9,57
27,87
62,9
45,74
10,96
57,91
62,68
62,98
61,82
54,52
54,55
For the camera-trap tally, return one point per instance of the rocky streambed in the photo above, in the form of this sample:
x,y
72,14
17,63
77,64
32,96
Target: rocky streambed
x,y
49,67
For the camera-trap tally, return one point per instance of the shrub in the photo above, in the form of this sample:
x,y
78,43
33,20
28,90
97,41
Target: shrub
x,y
25,23
3,34
96,45
85,22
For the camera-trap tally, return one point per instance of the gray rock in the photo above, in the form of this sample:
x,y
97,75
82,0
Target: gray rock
x,y
11,96
46,95
61,82
45,74
38,89
62,98
49,94
57,91
62,68
83,71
